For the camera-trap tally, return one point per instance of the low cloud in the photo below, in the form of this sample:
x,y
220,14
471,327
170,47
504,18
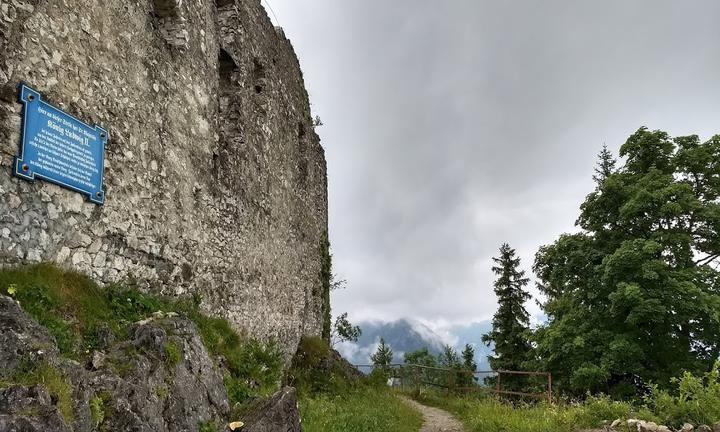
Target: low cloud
x,y
451,127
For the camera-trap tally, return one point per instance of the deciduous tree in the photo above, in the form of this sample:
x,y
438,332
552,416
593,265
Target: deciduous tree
x,y
636,294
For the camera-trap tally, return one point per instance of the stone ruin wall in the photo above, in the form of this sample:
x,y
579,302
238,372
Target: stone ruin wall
x,y
215,179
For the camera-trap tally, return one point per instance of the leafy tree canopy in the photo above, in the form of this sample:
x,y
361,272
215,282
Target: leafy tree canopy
x,y
344,331
635,295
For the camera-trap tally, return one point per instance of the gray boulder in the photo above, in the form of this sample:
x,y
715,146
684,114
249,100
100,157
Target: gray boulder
x,y
22,339
29,409
278,414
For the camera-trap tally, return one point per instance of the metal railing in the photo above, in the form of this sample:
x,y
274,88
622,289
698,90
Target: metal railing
x,y
462,380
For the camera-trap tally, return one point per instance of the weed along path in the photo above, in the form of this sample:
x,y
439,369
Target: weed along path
x,y
436,420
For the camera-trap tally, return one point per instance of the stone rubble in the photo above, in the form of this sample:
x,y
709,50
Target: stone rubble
x,y
647,426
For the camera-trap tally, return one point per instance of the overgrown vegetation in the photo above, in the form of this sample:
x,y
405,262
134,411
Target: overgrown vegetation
x,y
79,315
99,408
312,372
331,400
694,400
485,413
344,331
326,282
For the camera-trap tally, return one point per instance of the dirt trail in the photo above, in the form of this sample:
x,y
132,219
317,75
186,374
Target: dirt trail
x,y
436,420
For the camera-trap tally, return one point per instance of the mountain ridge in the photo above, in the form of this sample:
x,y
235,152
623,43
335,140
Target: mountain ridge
x,y
406,335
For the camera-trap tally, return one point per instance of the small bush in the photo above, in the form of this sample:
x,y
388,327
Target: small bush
x,y
98,408
697,400
173,354
311,372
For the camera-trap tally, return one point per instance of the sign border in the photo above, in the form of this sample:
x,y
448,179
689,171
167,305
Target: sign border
x,y
28,95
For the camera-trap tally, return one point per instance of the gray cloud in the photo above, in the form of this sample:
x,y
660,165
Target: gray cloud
x,y
451,127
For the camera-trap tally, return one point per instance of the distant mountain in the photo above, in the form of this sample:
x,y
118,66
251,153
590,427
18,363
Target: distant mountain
x,y
472,334
406,335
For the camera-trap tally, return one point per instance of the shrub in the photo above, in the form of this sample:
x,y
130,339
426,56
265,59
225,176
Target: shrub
x,y
697,400
99,408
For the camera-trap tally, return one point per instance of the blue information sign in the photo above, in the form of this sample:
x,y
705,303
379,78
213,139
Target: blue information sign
x,y
59,148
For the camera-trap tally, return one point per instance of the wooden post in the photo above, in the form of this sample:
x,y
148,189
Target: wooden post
x,y
417,379
550,387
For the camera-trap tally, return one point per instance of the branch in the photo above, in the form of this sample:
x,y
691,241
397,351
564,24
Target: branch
x,y
708,259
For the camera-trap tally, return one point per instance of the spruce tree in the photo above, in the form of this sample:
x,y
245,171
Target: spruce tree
x,y
467,379
511,321
448,358
383,357
468,358
605,165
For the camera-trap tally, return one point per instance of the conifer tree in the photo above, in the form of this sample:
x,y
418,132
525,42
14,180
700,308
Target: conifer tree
x,y
467,379
605,165
448,358
383,357
468,357
511,321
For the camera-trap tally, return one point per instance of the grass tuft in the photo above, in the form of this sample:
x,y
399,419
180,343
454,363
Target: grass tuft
x,y
173,354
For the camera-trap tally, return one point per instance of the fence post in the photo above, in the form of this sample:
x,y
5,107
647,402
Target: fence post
x,y
497,383
550,387
417,379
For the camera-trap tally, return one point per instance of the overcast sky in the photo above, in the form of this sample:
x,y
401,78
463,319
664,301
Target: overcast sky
x,y
454,126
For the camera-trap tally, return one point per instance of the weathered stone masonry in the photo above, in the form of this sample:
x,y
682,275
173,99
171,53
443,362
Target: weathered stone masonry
x,y
216,180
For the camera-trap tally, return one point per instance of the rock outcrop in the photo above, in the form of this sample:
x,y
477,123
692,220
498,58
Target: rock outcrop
x,y
136,385
215,179
279,413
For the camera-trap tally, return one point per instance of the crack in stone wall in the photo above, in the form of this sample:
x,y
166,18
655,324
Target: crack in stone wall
x,y
216,181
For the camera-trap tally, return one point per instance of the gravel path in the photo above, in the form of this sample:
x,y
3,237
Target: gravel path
x,y
436,420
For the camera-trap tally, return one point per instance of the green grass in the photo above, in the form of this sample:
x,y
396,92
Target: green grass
x,y
362,409
173,354
489,414
77,313
696,400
